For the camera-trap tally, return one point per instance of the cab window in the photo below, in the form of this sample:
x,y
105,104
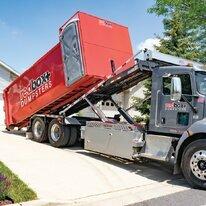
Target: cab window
x,y
186,85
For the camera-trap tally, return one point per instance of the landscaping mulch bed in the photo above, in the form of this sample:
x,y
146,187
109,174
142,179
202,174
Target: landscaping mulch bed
x,y
6,202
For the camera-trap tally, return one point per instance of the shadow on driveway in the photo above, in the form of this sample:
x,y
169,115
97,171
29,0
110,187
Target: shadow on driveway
x,y
153,170
15,132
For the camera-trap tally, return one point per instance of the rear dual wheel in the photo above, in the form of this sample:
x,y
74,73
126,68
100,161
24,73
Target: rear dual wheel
x,y
39,130
60,135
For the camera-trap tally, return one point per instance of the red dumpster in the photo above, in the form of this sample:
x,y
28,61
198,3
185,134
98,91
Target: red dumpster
x,y
89,49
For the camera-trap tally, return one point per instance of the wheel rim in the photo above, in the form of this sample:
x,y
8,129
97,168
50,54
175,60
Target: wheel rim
x,y
38,129
198,164
55,132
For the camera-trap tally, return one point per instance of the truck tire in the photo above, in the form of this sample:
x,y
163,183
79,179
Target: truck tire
x,y
193,164
58,134
73,134
39,130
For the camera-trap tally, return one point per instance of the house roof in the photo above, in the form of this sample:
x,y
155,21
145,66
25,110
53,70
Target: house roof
x,y
9,68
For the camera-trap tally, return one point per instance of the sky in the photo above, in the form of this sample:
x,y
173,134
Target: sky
x,y
29,28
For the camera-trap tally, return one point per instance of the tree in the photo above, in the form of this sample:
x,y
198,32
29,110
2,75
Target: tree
x,y
193,11
201,40
191,16
143,105
178,40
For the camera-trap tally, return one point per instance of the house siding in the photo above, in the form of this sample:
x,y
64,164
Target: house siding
x,y
6,77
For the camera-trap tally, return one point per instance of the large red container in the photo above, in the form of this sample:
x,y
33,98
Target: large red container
x,y
88,48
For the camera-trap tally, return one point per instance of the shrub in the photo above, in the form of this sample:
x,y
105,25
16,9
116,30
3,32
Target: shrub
x,y
4,186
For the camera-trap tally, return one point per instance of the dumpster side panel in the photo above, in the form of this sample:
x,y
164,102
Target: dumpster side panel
x,y
104,33
104,41
26,95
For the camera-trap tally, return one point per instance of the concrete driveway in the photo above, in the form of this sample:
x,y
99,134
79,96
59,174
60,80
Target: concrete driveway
x,y
78,177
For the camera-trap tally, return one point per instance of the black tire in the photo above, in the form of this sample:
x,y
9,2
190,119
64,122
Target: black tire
x,y
58,134
39,130
189,152
10,128
73,135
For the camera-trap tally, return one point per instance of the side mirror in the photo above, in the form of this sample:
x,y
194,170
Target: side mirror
x,y
176,89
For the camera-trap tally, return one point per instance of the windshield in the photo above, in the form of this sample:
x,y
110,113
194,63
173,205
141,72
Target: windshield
x,y
201,81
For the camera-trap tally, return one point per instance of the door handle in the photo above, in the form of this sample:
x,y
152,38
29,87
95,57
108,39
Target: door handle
x,y
156,109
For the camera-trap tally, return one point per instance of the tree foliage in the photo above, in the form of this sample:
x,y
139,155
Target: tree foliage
x,y
192,11
186,19
143,106
178,40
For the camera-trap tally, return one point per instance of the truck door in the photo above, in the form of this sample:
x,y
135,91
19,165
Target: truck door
x,y
71,51
173,116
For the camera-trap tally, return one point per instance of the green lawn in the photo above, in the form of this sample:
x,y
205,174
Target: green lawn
x,y
18,191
